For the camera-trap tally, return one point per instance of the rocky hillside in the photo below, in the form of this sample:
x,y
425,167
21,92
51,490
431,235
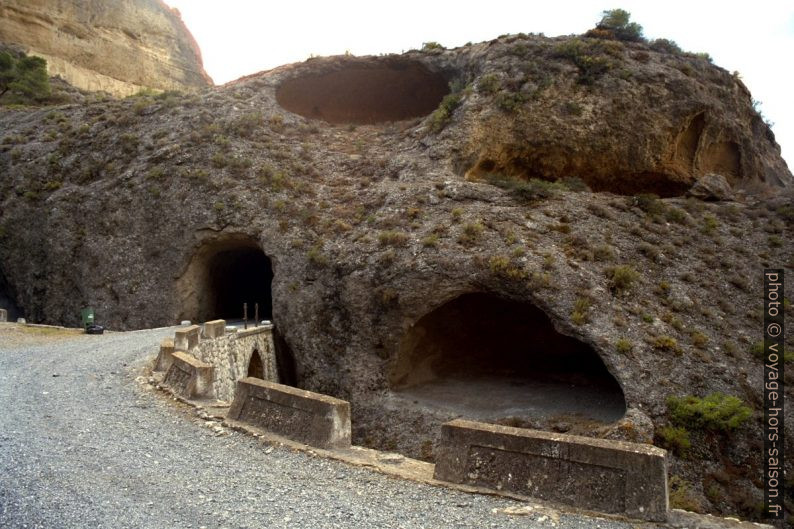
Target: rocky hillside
x,y
117,47
525,170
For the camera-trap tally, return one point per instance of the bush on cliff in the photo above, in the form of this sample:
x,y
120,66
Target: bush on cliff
x,y
23,79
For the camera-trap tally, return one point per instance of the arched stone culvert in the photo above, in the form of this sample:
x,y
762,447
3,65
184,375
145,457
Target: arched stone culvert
x,y
364,91
223,274
484,357
256,368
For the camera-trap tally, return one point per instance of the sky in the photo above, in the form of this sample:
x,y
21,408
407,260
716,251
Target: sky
x,y
242,37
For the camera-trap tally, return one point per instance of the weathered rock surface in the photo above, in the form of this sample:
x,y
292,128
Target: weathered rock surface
x,y
118,47
124,204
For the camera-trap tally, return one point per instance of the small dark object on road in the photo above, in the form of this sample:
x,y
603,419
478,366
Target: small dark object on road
x,y
94,329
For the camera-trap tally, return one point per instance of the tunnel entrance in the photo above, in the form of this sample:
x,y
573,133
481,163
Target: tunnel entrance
x,y
8,298
236,276
364,92
486,358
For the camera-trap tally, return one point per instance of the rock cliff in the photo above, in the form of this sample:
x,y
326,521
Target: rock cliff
x,y
476,211
118,47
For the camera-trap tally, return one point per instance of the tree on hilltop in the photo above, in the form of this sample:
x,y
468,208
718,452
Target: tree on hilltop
x,y
616,23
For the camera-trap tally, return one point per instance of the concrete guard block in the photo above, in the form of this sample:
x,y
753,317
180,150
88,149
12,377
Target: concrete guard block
x,y
188,377
311,418
187,338
165,356
3,315
214,329
595,474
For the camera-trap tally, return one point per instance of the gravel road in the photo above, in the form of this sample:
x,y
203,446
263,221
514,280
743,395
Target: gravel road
x,y
83,446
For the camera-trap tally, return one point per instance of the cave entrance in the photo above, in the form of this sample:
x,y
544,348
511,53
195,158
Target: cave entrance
x,y
364,91
255,367
491,359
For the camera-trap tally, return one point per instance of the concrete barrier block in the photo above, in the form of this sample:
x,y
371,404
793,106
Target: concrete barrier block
x,y
189,377
187,338
3,315
595,474
214,329
165,356
311,418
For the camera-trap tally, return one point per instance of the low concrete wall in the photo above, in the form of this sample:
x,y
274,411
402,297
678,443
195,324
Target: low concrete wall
x,y
230,354
214,329
165,356
311,418
188,377
595,474
187,338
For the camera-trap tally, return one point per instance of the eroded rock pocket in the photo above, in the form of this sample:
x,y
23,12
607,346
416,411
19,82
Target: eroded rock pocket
x,y
364,92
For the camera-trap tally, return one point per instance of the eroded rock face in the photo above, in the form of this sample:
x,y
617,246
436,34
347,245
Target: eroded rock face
x,y
370,228
118,47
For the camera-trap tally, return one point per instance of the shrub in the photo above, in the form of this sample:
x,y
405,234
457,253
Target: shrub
x,y
316,256
581,311
699,339
675,439
665,45
430,241
471,232
245,125
603,252
219,160
622,278
510,101
666,343
649,250
710,224
677,215
503,266
429,46
623,346
489,84
649,203
392,238
716,411
588,58
681,495
442,115
525,190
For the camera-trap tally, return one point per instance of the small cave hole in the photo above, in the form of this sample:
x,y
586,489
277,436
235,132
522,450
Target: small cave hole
x,y
364,92
487,358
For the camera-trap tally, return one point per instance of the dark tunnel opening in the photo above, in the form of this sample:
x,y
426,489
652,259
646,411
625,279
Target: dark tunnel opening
x,y
8,299
238,276
489,358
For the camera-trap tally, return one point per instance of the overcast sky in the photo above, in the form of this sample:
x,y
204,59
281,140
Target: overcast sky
x,y
241,37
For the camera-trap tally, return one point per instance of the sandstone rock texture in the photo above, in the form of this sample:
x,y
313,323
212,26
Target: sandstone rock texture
x,y
528,186
119,47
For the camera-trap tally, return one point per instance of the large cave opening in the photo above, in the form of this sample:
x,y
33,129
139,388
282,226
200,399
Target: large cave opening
x,y
364,92
492,359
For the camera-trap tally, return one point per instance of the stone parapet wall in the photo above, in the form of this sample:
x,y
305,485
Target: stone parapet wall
x,y
596,474
230,354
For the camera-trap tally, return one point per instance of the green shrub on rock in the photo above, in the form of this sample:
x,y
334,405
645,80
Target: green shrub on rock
x,y
716,412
